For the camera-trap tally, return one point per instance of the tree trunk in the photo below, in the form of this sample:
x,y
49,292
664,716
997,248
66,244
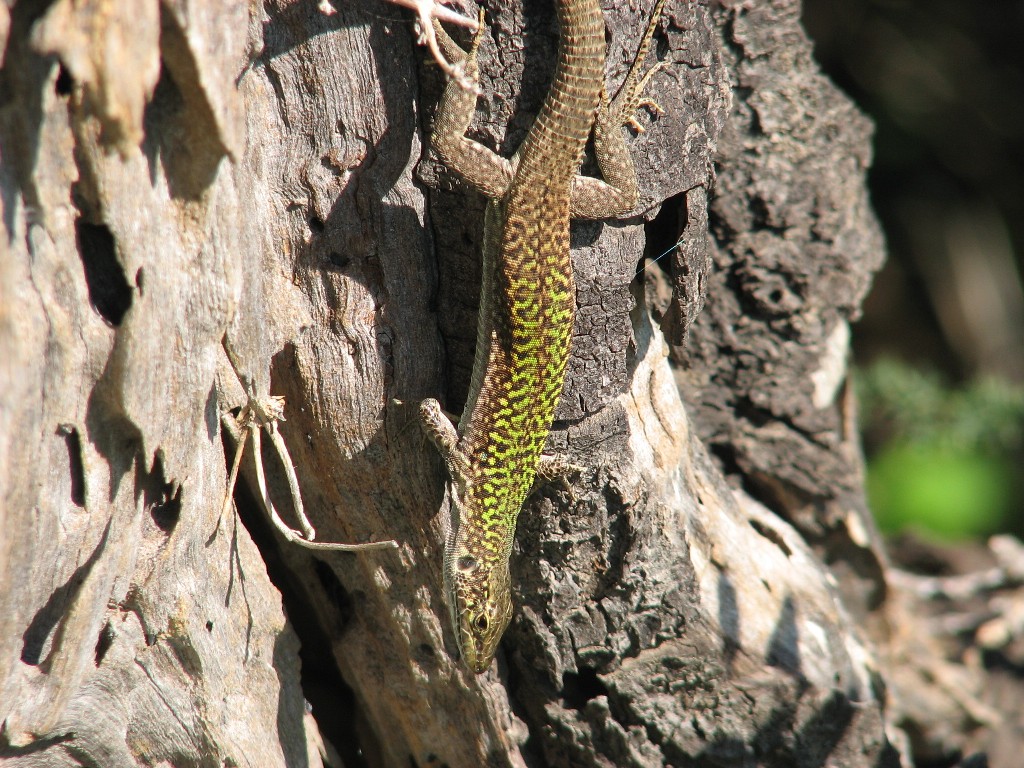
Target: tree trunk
x,y
196,192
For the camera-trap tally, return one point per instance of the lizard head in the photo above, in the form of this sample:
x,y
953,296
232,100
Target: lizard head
x,y
479,598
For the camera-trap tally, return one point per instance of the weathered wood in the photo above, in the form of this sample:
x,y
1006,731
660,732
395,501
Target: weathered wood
x,y
134,628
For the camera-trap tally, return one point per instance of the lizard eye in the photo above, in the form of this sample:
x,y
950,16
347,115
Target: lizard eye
x,y
466,564
481,622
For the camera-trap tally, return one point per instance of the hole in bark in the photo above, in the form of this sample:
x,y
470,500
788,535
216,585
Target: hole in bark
x,y
764,217
664,232
433,761
166,514
74,445
65,83
103,642
316,225
40,745
318,607
160,497
209,626
579,688
331,700
426,650
726,454
772,535
109,291
337,260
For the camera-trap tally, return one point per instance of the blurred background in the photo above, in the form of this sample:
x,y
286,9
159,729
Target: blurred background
x,y
939,351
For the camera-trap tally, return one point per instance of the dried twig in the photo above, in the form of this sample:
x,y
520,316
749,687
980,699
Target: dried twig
x,y
257,415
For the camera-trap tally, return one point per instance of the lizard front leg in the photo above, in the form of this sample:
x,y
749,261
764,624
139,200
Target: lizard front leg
x,y
482,168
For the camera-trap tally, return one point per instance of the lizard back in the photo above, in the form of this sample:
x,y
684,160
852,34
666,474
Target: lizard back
x,y
528,288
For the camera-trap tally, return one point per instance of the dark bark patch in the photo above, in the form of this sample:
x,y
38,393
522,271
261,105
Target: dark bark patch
x,y
772,536
103,642
181,131
65,83
73,441
161,498
580,687
109,291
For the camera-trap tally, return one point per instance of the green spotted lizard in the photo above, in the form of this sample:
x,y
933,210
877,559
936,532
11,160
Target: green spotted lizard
x,y
527,303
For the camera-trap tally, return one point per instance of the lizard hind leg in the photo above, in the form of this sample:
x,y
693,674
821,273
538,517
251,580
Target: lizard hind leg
x,y
442,434
630,97
555,468
617,192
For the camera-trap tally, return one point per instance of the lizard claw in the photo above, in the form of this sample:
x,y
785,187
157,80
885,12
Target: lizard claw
x,y
635,101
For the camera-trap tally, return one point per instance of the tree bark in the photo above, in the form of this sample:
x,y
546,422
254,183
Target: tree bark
x,y
196,192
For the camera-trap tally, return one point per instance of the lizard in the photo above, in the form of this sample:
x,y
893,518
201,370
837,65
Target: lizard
x,y
527,305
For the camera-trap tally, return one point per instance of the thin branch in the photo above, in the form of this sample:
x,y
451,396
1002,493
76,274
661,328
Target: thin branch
x,y
260,414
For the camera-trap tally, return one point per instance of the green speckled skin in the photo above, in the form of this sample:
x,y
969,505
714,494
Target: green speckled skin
x,y
527,305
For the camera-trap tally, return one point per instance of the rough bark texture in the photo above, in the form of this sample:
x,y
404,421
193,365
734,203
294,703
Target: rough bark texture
x,y
186,183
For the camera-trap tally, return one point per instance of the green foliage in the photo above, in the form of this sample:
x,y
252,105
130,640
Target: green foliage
x,y
942,460
949,494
